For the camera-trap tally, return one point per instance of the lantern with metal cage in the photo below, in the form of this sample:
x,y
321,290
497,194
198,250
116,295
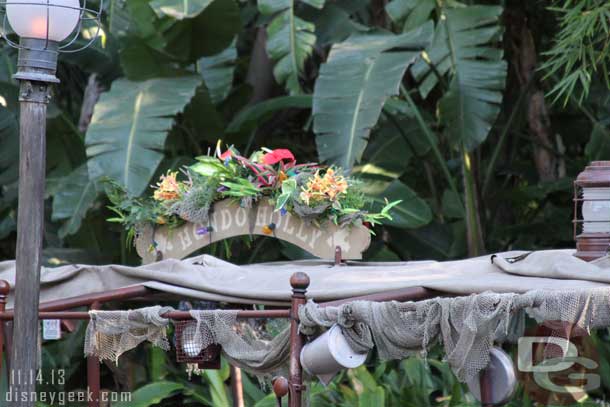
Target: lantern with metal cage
x,y
45,29
592,211
188,350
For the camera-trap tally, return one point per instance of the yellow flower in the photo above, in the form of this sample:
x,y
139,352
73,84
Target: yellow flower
x,y
282,176
168,189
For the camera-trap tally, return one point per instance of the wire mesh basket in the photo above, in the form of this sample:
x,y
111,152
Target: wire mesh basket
x,y
188,350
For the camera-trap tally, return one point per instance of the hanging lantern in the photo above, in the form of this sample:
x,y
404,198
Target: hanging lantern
x,y
592,211
328,354
46,28
189,351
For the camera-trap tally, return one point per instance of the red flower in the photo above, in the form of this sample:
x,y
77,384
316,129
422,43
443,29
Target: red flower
x,y
226,154
277,155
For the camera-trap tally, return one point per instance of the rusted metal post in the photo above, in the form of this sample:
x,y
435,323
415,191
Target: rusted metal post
x,y
299,282
237,388
485,386
4,290
93,374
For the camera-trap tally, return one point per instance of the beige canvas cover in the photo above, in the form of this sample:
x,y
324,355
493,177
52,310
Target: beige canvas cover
x,y
208,278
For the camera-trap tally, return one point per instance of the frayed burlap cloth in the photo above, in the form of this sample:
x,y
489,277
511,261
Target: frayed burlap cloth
x,y
112,333
467,327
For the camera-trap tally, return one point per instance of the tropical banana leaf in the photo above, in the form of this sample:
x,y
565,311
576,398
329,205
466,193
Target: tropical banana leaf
x,y
465,46
333,24
257,114
217,72
472,104
410,14
118,18
152,394
290,40
75,195
353,85
390,148
179,9
127,134
412,212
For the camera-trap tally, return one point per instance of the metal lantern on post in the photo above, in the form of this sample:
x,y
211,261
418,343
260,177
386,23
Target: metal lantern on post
x,y
592,211
44,28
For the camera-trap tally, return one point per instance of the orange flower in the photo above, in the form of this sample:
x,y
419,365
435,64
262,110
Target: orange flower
x,y
282,176
168,189
329,187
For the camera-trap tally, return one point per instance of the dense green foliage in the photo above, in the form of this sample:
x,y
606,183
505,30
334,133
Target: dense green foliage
x,y
444,105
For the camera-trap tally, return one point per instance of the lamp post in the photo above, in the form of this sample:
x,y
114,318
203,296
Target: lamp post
x,y
42,26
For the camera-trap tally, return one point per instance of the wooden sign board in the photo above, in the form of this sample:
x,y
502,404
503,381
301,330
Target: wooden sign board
x,y
229,220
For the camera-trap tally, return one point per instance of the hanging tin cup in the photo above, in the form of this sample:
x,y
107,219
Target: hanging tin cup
x,y
328,354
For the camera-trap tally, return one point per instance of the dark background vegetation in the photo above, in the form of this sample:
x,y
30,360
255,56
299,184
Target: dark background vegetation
x,y
481,135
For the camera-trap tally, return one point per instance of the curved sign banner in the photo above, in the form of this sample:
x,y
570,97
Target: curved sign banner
x,y
229,220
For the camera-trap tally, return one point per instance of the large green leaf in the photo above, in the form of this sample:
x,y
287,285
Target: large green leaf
x,y
127,134
392,147
290,40
220,396
333,24
353,85
410,14
75,195
412,212
118,18
208,33
217,72
179,9
258,113
466,47
151,394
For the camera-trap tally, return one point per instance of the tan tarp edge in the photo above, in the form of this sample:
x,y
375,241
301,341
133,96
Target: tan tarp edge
x,y
205,277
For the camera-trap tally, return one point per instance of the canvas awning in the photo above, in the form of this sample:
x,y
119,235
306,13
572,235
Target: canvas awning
x,y
208,278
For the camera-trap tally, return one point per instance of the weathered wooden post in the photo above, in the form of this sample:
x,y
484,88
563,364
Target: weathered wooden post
x,y
36,71
41,25
4,290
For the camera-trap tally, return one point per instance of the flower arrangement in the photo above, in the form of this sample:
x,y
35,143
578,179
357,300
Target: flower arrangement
x,y
315,193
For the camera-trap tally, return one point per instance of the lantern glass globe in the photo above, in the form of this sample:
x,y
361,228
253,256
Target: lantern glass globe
x,y
33,18
596,210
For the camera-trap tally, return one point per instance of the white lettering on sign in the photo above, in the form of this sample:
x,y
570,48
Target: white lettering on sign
x,y
300,234
228,220
240,217
225,215
315,235
289,228
261,216
185,239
